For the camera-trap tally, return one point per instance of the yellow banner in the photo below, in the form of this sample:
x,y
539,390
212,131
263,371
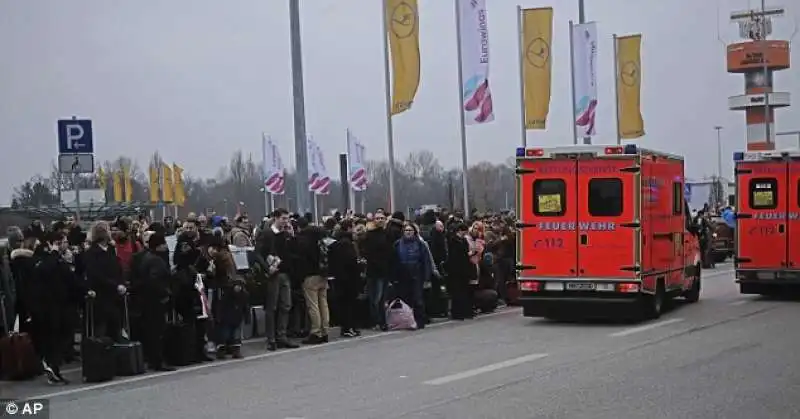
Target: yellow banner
x,y
101,179
155,189
402,26
116,179
166,184
179,192
629,87
126,174
537,36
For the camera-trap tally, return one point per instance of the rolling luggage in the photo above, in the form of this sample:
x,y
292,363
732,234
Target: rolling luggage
x,y
18,358
179,341
98,360
129,355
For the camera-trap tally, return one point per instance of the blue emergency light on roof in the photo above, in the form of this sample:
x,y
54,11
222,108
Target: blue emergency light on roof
x,y
738,156
630,149
520,151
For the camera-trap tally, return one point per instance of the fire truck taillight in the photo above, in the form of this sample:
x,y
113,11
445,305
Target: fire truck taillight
x,y
532,286
628,288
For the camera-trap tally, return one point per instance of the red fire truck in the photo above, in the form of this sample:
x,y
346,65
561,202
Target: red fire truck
x,y
603,225
767,221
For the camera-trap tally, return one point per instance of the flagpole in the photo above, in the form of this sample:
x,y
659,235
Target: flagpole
x,y
316,208
572,76
267,208
616,89
271,202
351,195
389,127
522,55
462,123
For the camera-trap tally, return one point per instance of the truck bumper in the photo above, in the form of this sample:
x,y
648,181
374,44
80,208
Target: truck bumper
x,y
766,281
607,305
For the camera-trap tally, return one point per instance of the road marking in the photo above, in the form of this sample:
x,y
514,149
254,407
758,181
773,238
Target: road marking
x,y
740,302
646,327
198,367
483,370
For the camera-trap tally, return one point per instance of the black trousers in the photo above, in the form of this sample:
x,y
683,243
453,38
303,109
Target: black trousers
x,y
52,336
152,328
461,296
347,295
108,319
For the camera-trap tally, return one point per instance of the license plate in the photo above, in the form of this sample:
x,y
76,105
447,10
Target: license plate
x,y
580,286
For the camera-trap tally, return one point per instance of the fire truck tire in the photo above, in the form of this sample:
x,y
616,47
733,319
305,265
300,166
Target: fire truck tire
x,y
653,305
693,294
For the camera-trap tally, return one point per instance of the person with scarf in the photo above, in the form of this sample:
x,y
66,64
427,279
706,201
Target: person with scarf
x,y
186,296
228,300
412,268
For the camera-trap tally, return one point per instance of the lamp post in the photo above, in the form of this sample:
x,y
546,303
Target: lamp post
x,y
719,150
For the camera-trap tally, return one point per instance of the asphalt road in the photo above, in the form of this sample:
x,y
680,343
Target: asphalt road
x,y
729,356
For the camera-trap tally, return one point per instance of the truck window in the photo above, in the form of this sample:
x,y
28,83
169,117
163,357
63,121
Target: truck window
x,y
677,198
763,193
549,197
605,197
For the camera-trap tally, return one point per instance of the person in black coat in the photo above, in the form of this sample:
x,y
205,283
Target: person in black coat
x,y
151,289
377,250
104,277
186,297
460,272
343,263
57,293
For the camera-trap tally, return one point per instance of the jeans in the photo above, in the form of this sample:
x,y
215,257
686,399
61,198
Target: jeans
x,y
315,290
278,304
229,335
376,292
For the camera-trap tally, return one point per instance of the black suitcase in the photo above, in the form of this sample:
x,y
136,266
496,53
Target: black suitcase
x,y
179,342
98,361
129,355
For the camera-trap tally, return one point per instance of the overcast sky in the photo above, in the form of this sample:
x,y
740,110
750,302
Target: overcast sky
x,y
198,79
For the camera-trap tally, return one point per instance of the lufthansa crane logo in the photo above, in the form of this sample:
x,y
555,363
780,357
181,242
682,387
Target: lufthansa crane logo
x,y
404,20
629,73
538,53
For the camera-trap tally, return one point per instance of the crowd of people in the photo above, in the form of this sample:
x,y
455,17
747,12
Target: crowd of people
x,y
349,267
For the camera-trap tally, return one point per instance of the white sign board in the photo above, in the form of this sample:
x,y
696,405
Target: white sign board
x,y
76,163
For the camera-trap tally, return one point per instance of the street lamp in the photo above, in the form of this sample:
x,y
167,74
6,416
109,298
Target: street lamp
x,y
797,133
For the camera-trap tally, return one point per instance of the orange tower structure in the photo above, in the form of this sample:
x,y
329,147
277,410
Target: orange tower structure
x,y
758,58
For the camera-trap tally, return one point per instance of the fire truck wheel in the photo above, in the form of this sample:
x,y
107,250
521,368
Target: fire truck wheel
x,y
693,294
653,305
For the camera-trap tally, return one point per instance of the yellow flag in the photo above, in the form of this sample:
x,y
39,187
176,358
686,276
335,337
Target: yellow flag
x,y
126,173
117,182
179,192
629,87
155,189
101,179
402,26
537,35
166,184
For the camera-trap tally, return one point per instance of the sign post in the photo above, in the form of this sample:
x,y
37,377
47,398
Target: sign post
x,y
75,152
